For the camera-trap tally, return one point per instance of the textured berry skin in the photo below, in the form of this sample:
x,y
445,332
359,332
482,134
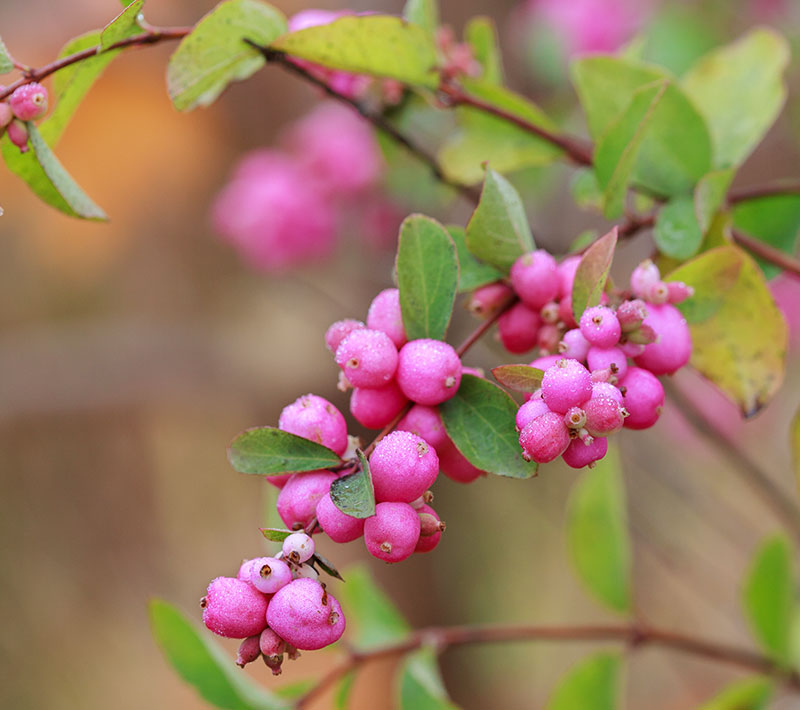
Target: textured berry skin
x,y
403,467
644,398
573,345
578,454
367,357
298,547
375,407
673,348
268,574
605,358
248,652
535,278
384,314
428,371
606,389
297,501
566,384
600,326
603,416
427,542
518,328
270,644
425,422
29,102
338,526
316,419
305,615
644,277
545,438
339,330
392,533
18,135
531,409
234,609
487,299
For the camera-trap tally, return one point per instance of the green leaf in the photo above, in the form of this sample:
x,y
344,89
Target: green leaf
x,y
420,683
739,90
709,196
481,421
597,532
794,438
739,336
768,597
270,451
481,34
379,45
6,63
427,275
616,153
204,665
354,494
471,272
520,378
774,220
749,694
214,54
424,13
372,618
498,231
123,25
585,190
592,274
677,232
343,690
275,534
592,684
326,566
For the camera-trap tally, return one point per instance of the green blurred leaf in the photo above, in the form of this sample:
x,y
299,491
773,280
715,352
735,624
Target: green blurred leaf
x,y
354,494
498,231
481,34
275,534
379,45
794,437
597,532
424,13
592,274
592,684
123,25
768,597
739,90
427,276
709,196
204,665
343,690
774,220
677,232
420,683
6,63
739,335
585,190
481,421
679,35
471,272
749,694
214,54
270,451
520,378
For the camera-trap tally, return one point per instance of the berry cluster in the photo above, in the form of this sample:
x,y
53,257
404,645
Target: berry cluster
x,y
27,103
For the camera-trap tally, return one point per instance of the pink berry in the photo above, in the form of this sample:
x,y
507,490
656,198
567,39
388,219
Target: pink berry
x,y
298,547
545,362
548,338
244,569
606,389
604,416
487,299
531,409
426,423
18,135
384,314
549,313
316,419
518,328
249,651
297,501
339,526
431,529
268,574
375,407
566,384
456,466
644,277
600,326
403,467
272,647
644,398
677,292
535,278
475,371
579,454
339,330
305,615
233,608
367,357
658,293
573,345
673,348
545,438
428,371
29,102
612,358
6,115
630,314
565,311
566,275
393,532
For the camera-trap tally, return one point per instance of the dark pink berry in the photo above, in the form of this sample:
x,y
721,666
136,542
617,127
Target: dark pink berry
x,y
644,277
566,384
268,574
18,135
573,345
7,115
384,314
29,102
600,326
339,331
644,398
375,407
487,299
604,416
612,358
403,467
545,438
297,501
531,409
456,466
579,454
272,647
367,357
673,348
431,529
566,275
305,615
548,338
249,651
518,328
392,533
425,422
316,419
233,608
535,278
428,371
338,526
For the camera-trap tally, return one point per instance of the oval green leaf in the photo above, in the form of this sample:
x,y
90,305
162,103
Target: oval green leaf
x,y
471,272
749,694
420,683
520,378
592,274
6,63
123,25
774,220
677,232
354,494
270,451
275,534
591,684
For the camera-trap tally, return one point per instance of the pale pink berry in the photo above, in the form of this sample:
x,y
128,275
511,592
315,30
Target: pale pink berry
x,y
368,358
375,407
456,466
549,313
297,501
677,292
426,423
600,326
548,338
298,547
632,350
673,348
545,362
566,384
393,532
403,467
268,574
272,647
486,300
6,115
531,409
612,358
575,418
644,277
428,371
29,102
630,314
384,314
573,345
245,568
305,615
535,278
658,293
339,526
339,330
604,416
579,454
233,608
518,328
431,529
316,419
545,438
248,652
18,135
606,389
566,275
644,398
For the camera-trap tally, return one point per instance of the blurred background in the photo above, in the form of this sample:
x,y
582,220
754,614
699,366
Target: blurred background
x,y
132,352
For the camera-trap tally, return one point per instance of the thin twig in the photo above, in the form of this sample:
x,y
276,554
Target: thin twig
x,y
768,253
784,187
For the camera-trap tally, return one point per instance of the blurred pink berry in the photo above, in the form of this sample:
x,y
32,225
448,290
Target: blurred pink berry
x,y
565,311
545,438
375,407
18,135
233,608
545,362
384,314
566,384
428,371
268,574
600,326
518,328
305,615
339,330
29,102
297,501
6,115
548,338
677,292
535,278
248,652
367,357
393,532
579,454
456,466
573,345
338,526
487,299
644,398
643,278
431,529
403,467
673,348
316,419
